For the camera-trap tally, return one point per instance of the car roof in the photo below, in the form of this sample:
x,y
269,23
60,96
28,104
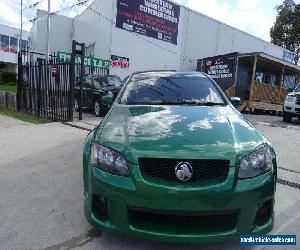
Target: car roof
x,y
174,74
98,75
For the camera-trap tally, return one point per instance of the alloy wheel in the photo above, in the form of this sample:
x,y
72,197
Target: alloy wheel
x,y
97,109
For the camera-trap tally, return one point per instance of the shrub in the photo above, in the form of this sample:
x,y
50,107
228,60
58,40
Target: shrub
x,y
11,83
8,77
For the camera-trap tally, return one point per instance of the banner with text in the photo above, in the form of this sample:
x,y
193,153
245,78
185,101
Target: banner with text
x,y
288,56
153,18
221,68
88,61
119,61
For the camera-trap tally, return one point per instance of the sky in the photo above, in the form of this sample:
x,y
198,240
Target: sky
x,y
253,16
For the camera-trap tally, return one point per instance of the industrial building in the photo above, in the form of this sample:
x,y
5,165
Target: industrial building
x,y
144,35
9,44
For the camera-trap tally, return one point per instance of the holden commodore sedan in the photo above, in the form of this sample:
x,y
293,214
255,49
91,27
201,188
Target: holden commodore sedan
x,y
173,160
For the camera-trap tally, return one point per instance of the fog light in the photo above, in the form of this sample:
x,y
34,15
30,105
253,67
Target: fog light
x,y
99,206
264,212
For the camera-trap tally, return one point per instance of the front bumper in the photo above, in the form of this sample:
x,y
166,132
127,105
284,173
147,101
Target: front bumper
x,y
242,198
292,108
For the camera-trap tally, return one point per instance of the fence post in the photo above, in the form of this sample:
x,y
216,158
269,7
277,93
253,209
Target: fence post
x,y
40,68
252,81
280,100
19,85
82,73
72,81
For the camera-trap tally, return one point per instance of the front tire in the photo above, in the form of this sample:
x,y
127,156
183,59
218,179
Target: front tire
x,y
287,117
97,108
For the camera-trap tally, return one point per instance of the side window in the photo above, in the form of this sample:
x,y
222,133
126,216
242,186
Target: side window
x,y
104,81
88,82
97,82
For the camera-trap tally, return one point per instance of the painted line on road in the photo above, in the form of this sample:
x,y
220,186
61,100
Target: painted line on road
x,y
272,125
288,183
76,242
289,170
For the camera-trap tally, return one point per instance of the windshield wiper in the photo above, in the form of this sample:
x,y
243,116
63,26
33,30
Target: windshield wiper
x,y
200,103
187,102
164,103
213,104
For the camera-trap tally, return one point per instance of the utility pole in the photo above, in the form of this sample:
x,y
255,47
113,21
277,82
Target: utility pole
x,y
21,33
48,31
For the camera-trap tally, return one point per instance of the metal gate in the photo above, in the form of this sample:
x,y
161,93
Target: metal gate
x,y
45,88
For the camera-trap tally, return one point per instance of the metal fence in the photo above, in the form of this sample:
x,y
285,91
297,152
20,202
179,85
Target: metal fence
x,y
46,87
45,90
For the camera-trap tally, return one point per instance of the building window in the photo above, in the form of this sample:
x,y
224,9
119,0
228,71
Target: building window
x,y
13,45
90,50
4,45
23,44
10,44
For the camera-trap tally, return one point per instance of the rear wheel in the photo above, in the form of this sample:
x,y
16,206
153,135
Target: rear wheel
x,y
287,117
97,108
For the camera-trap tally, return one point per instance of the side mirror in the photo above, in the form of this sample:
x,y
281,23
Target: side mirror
x,y
235,101
108,100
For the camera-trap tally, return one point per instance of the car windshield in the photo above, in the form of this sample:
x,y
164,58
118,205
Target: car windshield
x,y
168,89
114,81
108,81
297,89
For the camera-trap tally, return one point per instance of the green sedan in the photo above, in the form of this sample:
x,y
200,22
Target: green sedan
x,y
173,160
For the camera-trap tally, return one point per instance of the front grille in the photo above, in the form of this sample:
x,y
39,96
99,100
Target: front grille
x,y
189,222
164,169
298,100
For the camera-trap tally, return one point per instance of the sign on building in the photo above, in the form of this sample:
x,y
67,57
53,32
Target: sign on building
x,y
119,61
88,61
221,68
288,56
158,19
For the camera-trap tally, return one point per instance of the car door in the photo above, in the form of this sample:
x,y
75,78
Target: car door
x,y
104,82
88,92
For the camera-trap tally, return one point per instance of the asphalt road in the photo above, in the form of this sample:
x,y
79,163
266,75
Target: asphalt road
x,y
41,185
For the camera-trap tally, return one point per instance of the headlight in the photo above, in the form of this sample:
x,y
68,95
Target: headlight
x,y
110,94
291,98
256,163
108,160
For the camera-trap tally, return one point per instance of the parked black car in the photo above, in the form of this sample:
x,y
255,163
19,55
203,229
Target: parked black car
x,y
94,88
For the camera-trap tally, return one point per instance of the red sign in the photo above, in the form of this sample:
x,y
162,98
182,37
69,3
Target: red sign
x,y
54,71
119,61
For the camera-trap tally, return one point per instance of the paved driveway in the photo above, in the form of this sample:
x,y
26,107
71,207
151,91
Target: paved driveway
x,y
41,189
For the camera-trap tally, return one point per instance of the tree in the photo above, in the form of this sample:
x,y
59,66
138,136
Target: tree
x,y
286,29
